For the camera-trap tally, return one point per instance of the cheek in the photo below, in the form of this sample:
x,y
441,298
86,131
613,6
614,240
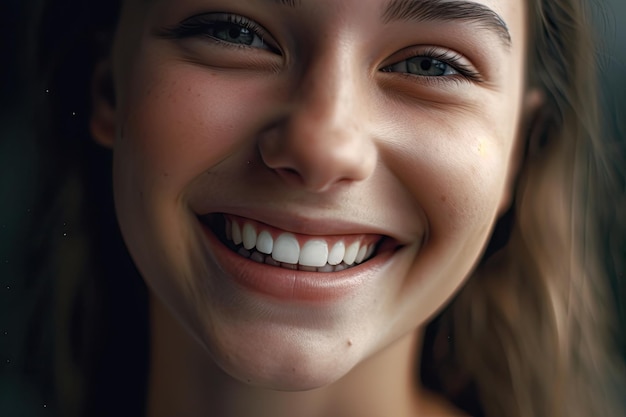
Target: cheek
x,y
182,121
455,172
177,124
472,183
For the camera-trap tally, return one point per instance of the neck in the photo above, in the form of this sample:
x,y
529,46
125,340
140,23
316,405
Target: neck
x,y
185,381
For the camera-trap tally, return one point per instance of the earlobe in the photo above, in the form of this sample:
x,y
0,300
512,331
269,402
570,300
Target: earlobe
x,y
102,123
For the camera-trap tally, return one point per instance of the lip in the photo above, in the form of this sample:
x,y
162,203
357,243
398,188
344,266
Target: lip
x,y
309,225
294,285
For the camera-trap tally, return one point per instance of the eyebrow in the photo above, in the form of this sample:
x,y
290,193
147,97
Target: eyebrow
x,y
290,3
443,10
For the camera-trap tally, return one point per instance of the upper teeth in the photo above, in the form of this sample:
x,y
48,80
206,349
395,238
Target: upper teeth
x,y
285,248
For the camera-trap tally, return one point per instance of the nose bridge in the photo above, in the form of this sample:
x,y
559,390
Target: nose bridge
x,y
327,94
323,140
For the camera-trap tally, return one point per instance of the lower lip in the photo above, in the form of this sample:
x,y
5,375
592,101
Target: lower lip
x,y
293,285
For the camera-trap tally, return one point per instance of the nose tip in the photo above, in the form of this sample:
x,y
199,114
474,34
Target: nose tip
x,y
312,155
323,138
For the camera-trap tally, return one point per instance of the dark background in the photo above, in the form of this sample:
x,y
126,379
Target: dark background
x,y
19,95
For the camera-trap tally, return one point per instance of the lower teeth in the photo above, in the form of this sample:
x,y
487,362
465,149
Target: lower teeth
x,y
261,258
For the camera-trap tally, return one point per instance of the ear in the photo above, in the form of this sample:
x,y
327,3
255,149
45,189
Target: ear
x,y
102,123
531,125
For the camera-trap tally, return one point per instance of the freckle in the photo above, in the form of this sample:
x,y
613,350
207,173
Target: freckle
x,y
444,198
349,342
293,370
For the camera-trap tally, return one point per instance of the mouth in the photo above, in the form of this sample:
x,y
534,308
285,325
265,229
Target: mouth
x,y
268,245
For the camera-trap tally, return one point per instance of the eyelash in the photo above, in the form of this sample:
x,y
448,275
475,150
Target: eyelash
x,y
452,59
197,26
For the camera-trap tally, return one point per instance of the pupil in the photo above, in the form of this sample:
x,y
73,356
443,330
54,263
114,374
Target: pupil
x,y
425,64
231,33
234,32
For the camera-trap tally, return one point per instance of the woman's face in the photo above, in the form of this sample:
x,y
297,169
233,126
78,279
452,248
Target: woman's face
x,y
302,183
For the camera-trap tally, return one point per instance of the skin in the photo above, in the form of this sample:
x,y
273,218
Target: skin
x,y
316,140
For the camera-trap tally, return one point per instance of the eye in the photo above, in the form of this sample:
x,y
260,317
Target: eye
x,y
233,33
422,65
432,63
226,28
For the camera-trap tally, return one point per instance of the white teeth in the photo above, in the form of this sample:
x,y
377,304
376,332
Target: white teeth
x,y
336,254
314,253
361,254
270,261
286,249
307,268
236,231
264,243
249,236
257,257
229,230
351,252
340,267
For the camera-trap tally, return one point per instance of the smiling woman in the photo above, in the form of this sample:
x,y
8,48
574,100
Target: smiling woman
x,y
351,208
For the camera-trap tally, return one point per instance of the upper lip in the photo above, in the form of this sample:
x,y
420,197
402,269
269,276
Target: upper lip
x,y
313,226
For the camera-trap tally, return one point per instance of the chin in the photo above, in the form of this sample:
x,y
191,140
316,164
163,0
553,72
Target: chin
x,y
285,377
284,360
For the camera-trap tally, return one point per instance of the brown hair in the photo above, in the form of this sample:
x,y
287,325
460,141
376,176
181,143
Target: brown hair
x,y
529,335
99,313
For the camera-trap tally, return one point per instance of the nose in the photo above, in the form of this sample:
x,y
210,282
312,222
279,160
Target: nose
x,y
323,139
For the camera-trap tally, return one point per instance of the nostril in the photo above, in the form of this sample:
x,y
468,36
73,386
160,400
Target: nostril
x,y
290,171
317,157
291,175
